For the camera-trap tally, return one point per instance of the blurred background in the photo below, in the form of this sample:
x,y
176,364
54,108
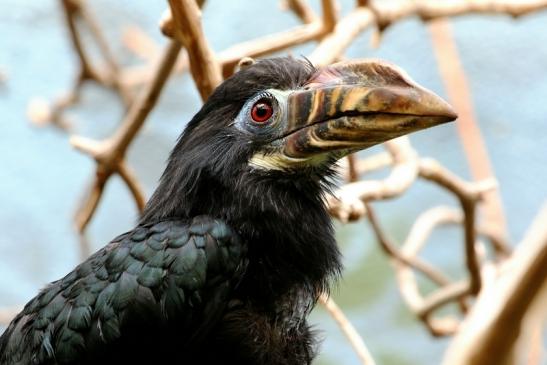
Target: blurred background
x,y
43,178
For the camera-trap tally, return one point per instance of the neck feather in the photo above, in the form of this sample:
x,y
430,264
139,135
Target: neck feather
x,y
283,219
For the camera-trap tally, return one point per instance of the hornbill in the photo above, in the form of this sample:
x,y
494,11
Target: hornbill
x,y
235,245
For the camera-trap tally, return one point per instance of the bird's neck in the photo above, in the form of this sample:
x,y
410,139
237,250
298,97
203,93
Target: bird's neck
x,y
289,233
291,242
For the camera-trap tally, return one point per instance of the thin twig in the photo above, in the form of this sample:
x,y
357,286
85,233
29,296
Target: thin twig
x,y
302,10
468,195
347,202
346,30
347,328
392,251
133,184
511,303
268,44
110,153
459,94
390,12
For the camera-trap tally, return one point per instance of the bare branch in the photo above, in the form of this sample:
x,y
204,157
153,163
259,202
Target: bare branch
x,y
468,195
302,10
141,44
89,203
512,302
459,94
203,64
131,181
268,44
329,15
110,153
390,12
347,328
444,295
347,202
410,260
347,29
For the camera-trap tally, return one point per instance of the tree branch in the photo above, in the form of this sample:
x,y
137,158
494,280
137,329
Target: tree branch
x,y
355,340
203,64
513,301
459,94
110,154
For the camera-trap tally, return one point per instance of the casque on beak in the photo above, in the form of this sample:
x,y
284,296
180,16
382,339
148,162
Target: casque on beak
x,y
350,106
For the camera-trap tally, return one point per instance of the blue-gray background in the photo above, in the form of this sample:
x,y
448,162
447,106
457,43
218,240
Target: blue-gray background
x,y
42,178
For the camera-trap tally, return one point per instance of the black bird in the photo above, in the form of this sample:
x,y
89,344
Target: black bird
x,y
235,245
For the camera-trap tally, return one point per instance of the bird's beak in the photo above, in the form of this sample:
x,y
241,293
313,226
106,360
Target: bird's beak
x,y
350,106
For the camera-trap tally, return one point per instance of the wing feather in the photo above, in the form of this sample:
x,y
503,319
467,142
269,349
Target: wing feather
x,y
169,271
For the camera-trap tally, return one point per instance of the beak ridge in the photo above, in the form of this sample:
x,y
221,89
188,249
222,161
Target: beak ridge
x,y
354,105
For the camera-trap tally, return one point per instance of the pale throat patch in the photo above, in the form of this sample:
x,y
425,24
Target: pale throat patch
x,y
279,161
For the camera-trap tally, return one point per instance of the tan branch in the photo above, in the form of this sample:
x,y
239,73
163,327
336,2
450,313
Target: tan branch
x,y
229,58
410,260
268,44
347,202
110,153
444,295
146,100
72,9
348,330
448,8
422,307
407,259
77,9
468,194
188,31
353,173
100,40
133,184
90,203
329,15
392,11
352,167
373,163
302,10
141,44
459,94
76,15
511,306
346,30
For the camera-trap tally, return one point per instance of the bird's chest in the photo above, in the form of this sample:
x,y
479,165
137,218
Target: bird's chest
x,y
250,335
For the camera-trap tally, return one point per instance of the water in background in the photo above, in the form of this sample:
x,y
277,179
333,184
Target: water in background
x,y
42,177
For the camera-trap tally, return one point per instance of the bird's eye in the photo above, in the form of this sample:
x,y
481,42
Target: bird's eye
x,y
261,111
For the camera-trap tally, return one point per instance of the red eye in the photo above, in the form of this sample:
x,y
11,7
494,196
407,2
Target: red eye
x,y
261,111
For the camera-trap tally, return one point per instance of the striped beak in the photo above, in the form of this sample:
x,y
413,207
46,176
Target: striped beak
x,y
350,106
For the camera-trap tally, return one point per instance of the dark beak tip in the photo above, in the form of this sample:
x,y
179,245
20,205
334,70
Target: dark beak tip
x,y
450,113
445,118
442,109
451,116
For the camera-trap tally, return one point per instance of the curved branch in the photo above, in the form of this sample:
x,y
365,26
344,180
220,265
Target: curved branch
x,y
347,328
110,154
133,184
188,31
347,202
509,305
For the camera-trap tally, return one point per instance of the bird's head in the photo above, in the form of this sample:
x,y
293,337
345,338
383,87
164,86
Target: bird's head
x,y
282,119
